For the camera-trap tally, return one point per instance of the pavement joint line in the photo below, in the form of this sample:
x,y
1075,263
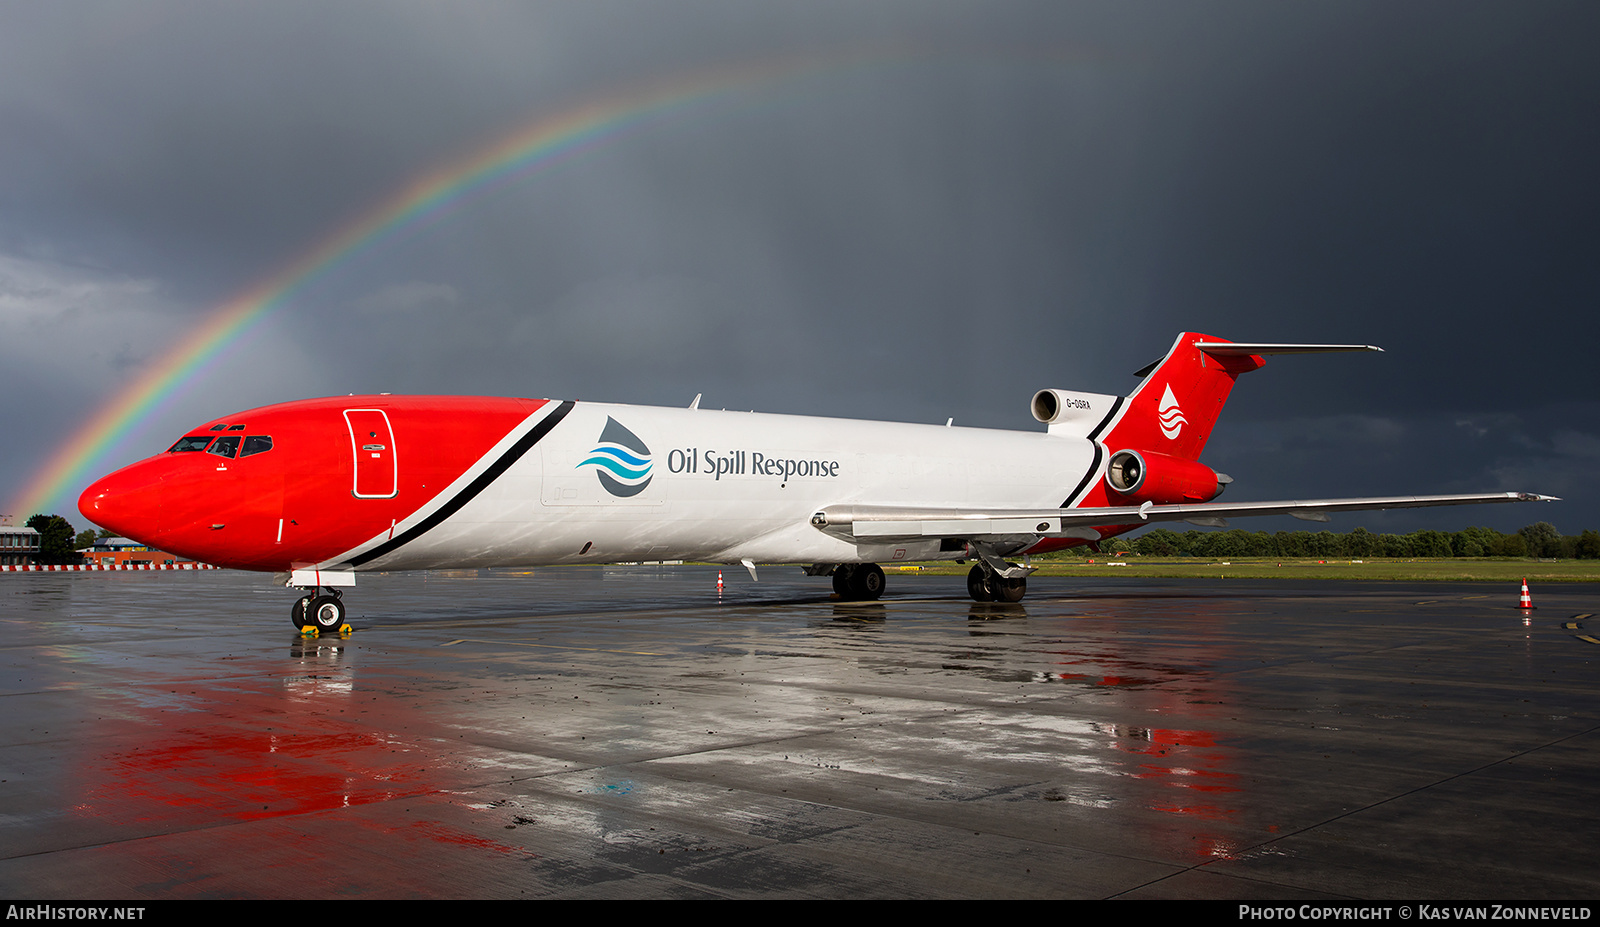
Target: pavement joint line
x,y
1369,806
475,640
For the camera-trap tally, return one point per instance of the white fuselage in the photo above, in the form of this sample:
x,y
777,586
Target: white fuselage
x,y
731,486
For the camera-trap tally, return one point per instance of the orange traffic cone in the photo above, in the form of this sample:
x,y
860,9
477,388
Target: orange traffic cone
x,y
1527,602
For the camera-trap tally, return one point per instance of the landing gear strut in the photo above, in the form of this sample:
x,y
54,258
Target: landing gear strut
x,y
858,581
324,612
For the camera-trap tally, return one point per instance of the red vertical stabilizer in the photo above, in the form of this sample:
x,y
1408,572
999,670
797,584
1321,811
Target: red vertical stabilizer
x,y
1174,410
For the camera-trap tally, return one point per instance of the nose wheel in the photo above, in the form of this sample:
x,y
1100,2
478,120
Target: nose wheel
x,y
326,612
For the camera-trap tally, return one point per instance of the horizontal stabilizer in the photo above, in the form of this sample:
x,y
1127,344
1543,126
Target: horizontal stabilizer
x,y
1235,349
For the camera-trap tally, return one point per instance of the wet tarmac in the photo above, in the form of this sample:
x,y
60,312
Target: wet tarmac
x,y
622,733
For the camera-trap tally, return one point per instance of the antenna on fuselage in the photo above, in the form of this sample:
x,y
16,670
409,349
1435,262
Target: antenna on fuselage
x,y
696,403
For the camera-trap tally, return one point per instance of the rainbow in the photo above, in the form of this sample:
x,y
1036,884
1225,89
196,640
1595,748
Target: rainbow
x,y
536,147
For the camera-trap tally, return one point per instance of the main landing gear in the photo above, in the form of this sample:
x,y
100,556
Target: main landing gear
x,y
323,612
988,586
993,578
860,582
990,580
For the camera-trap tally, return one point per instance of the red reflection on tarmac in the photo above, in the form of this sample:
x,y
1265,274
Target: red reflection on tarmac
x,y
247,776
341,771
1184,773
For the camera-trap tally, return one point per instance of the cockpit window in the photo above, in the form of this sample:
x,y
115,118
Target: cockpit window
x,y
236,428
190,443
256,444
219,426
225,446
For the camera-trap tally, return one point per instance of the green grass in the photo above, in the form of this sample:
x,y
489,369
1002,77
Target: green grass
x,y
1443,569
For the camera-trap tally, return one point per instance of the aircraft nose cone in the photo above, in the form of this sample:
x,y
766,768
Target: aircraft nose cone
x,y
127,502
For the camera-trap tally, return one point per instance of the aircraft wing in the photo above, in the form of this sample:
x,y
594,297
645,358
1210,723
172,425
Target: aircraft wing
x,y
883,522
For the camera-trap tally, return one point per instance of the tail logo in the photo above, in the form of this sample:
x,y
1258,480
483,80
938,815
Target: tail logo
x,y
621,461
1170,416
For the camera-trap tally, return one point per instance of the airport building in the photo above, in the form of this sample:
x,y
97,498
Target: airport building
x,y
114,553
18,546
19,552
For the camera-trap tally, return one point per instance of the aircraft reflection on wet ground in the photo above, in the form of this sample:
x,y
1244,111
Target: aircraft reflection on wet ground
x,y
623,732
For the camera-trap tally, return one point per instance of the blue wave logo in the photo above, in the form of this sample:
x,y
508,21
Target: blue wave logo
x,y
621,461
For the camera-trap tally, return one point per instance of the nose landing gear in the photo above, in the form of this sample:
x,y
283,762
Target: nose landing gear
x,y
324,613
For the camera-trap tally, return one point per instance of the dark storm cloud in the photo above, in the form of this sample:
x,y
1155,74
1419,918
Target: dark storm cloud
x,y
956,205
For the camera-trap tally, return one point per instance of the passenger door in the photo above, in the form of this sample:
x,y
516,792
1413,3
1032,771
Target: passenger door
x,y
377,470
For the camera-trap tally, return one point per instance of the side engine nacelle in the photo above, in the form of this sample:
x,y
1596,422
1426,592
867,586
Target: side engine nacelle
x,y
1134,477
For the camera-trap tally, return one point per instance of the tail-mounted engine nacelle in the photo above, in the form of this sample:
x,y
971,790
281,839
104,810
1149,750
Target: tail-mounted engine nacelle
x,y
1145,476
1071,412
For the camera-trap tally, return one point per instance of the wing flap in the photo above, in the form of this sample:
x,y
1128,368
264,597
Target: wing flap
x,y
885,521
952,527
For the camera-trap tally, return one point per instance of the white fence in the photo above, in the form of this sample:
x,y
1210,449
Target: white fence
x,y
95,567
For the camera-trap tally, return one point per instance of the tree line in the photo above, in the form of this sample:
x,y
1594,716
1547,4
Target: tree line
x,y
57,543
1536,540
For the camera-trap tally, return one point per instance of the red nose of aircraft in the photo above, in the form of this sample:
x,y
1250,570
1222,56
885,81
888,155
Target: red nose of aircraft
x,y
127,502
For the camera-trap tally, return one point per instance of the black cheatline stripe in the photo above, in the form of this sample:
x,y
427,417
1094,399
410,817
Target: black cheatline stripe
x,y
1093,469
466,495
1095,435
1094,438
1100,450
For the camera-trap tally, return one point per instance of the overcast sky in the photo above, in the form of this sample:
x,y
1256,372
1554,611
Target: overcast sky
x,y
934,210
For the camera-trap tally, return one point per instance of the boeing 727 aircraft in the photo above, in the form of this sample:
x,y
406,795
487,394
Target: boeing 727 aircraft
x,y
324,488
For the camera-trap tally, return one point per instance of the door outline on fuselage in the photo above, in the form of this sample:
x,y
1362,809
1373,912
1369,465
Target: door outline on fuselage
x,y
365,450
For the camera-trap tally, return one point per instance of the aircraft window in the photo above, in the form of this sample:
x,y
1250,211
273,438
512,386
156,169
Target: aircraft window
x,y
218,427
190,443
236,428
256,444
224,447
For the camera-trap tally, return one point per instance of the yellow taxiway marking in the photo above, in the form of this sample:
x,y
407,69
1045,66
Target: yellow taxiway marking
x,y
1574,625
474,640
